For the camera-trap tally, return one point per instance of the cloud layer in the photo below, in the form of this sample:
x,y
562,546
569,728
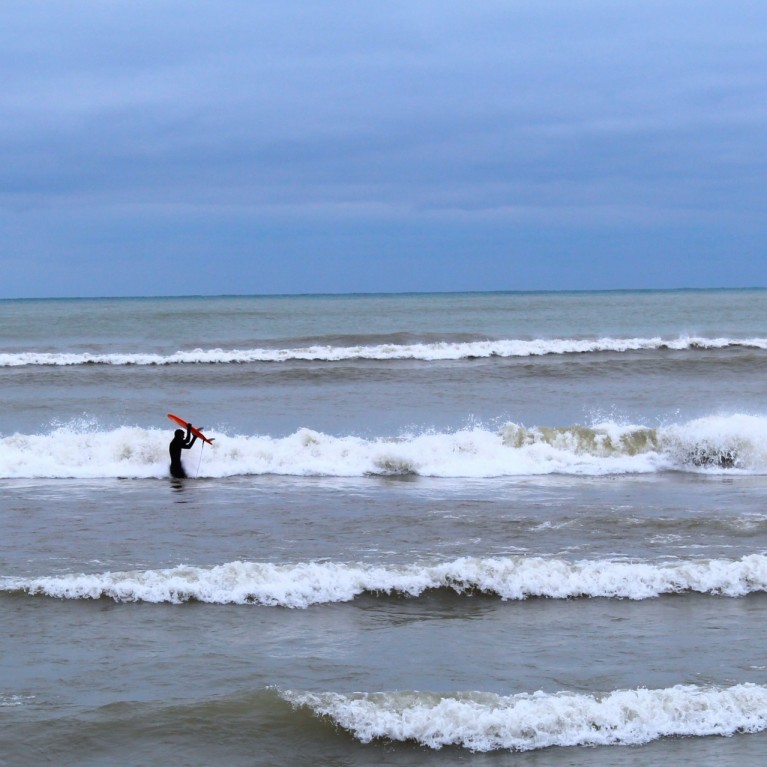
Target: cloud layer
x,y
360,146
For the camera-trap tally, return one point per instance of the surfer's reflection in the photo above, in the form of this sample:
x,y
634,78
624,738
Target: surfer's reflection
x,y
177,484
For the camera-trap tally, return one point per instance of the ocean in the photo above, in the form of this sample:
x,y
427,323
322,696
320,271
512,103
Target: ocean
x,y
522,529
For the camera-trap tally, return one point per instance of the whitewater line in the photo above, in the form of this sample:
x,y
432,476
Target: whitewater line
x,y
526,722
308,583
424,351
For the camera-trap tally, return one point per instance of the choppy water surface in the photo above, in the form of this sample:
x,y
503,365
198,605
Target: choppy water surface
x,y
525,528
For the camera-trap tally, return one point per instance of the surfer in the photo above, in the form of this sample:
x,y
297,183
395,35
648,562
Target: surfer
x,y
180,442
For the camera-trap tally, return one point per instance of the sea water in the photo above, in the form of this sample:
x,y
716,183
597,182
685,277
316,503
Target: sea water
x,y
507,528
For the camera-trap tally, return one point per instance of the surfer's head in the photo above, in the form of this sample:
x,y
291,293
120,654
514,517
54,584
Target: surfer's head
x,y
179,432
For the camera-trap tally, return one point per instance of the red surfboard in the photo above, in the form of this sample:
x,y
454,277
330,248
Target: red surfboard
x,y
183,424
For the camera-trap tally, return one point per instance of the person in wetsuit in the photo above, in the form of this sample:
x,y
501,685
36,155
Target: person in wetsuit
x,y
180,442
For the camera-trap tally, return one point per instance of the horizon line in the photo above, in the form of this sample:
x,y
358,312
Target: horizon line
x,y
352,294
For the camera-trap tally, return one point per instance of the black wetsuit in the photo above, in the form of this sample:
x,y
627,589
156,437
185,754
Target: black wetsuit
x,y
179,443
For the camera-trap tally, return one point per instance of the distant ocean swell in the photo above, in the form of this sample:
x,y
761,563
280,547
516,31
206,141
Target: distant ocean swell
x,y
714,443
308,583
527,722
445,350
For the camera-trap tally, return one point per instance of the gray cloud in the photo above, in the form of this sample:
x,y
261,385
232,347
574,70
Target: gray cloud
x,y
534,114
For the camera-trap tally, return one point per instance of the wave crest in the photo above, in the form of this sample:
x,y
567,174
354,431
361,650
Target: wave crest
x,y
526,722
308,583
717,443
435,351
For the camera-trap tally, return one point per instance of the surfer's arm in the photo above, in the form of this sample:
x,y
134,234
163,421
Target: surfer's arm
x,y
190,438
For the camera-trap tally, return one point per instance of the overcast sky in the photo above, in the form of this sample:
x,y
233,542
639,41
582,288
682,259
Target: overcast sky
x,y
155,147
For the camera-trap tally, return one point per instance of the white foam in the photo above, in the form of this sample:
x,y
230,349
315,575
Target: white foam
x,y
715,443
83,452
15,700
307,583
743,436
422,351
526,722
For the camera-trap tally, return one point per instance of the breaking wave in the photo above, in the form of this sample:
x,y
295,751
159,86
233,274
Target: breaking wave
x,y
526,722
443,350
714,443
308,583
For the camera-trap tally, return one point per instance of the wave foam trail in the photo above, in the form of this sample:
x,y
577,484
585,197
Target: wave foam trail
x,y
712,443
526,722
308,583
81,451
388,351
